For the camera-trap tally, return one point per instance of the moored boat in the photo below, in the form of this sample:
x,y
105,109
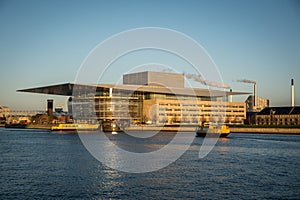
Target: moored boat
x,y
15,125
110,126
21,124
212,130
75,127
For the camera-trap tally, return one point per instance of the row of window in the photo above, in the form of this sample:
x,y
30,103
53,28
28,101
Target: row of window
x,y
205,105
278,121
197,110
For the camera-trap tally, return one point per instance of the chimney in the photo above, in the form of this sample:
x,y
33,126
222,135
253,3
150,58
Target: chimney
x,y
254,96
50,109
293,93
230,96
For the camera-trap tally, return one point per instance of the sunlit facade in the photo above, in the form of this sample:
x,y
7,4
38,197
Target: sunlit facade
x,y
260,104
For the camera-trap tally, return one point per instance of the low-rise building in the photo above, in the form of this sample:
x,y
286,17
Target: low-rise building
x,y
16,116
279,116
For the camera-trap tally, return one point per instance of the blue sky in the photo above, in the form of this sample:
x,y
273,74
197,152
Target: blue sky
x,y
45,42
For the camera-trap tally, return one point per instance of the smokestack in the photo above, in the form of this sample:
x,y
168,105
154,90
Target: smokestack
x,y
230,96
50,109
293,93
254,95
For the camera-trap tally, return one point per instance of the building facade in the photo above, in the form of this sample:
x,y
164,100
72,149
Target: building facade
x,y
192,111
259,105
149,97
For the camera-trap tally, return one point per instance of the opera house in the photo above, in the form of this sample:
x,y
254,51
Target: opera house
x,y
157,98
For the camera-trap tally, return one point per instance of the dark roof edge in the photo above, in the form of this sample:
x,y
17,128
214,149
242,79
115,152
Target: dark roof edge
x,y
66,89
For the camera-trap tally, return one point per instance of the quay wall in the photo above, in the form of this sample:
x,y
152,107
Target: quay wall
x,y
159,128
233,130
265,130
39,126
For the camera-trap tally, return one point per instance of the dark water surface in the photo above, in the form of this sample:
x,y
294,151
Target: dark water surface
x,y
37,164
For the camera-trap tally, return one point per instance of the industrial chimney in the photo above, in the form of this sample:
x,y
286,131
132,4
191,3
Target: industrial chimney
x,y
50,109
254,96
293,93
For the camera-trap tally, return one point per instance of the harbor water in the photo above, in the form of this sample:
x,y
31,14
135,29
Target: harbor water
x,y
39,164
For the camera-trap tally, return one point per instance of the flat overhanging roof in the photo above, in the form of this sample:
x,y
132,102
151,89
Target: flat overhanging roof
x,y
66,89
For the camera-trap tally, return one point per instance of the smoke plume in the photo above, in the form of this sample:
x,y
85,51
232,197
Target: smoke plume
x,y
199,79
246,81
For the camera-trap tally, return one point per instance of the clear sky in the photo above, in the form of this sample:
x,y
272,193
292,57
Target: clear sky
x,y
45,42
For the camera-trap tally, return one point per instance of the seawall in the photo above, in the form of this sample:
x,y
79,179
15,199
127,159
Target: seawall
x,y
39,126
295,131
159,128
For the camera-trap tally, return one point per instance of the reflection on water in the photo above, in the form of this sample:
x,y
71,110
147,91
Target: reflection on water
x,y
146,142
39,164
111,180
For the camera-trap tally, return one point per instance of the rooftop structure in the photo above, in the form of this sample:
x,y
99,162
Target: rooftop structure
x,y
288,110
154,78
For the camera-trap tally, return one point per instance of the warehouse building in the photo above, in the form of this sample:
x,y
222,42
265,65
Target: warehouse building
x,y
279,116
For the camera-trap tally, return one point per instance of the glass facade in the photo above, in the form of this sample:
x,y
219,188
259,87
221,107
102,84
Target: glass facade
x,y
136,107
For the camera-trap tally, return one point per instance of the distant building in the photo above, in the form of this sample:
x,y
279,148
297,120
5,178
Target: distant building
x,y
279,116
4,111
16,116
149,97
59,109
260,104
254,107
